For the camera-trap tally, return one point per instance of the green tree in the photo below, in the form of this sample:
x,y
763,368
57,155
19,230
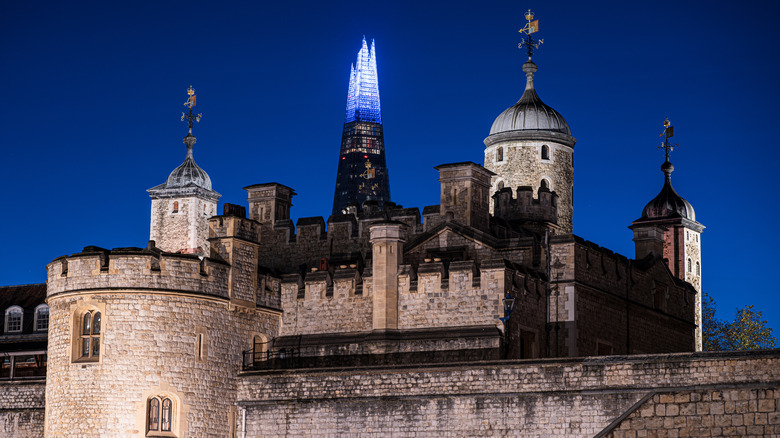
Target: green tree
x,y
746,332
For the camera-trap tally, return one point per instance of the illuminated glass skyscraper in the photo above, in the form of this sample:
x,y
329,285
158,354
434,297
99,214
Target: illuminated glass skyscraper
x,y
362,172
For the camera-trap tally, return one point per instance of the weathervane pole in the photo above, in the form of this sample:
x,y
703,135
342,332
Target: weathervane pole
x,y
667,133
190,117
528,43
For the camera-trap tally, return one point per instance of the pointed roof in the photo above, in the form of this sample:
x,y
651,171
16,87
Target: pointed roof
x,y
363,93
668,204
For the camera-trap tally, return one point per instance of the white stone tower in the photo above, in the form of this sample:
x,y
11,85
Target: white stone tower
x,y
183,204
530,144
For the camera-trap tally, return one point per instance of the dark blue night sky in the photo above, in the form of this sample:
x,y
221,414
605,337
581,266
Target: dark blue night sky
x,y
92,94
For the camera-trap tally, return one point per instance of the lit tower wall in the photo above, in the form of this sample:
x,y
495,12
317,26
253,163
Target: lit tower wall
x,y
362,172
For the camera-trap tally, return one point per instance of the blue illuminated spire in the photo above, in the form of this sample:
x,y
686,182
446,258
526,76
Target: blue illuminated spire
x,y
363,93
362,172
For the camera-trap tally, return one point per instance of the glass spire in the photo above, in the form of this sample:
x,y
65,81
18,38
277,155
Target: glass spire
x,y
362,172
363,93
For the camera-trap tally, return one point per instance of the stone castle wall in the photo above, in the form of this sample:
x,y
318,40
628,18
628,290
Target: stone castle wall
x,y
570,397
752,411
321,305
22,408
607,304
522,165
429,298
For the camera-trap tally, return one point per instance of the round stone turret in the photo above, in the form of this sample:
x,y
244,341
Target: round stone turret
x,y
530,145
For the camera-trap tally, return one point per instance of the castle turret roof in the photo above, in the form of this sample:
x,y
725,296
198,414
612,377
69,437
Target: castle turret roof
x,y
188,173
530,113
668,204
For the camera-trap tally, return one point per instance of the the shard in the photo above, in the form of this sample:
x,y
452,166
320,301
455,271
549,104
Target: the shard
x,y
362,171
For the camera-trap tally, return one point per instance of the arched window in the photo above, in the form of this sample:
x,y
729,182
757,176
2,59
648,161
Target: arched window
x,y
690,266
167,415
153,415
698,269
545,152
13,319
175,207
42,318
500,154
544,185
90,336
159,416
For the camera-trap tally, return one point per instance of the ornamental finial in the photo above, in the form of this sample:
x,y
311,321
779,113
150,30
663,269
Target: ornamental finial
x,y
190,117
529,43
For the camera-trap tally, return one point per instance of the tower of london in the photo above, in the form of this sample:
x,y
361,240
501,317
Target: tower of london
x,y
482,315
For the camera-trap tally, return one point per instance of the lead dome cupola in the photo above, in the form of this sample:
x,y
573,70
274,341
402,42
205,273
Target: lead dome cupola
x,y
530,113
668,204
188,173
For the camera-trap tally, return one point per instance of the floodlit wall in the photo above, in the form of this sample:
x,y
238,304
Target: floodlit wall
x,y
570,397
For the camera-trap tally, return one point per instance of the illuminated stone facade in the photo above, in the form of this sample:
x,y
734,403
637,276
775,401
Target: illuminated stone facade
x,y
171,326
480,315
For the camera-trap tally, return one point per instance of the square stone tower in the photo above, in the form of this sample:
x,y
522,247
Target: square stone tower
x,y
182,206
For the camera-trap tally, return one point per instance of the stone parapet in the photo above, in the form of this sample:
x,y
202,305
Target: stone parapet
x,y
431,295
543,208
136,268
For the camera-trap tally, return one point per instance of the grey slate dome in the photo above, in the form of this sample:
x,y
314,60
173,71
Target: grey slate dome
x,y
530,113
188,173
668,204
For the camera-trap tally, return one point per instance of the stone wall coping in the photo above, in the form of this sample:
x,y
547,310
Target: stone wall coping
x,y
527,134
673,360
137,270
268,185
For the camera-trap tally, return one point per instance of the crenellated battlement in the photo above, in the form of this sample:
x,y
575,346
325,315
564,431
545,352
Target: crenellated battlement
x,y
287,247
431,294
137,268
542,208
234,224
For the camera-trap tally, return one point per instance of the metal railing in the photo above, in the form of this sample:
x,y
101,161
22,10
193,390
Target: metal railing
x,y
282,358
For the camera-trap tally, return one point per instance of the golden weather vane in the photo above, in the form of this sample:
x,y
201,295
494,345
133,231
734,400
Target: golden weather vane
x,y
667,133
190,117
532,26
